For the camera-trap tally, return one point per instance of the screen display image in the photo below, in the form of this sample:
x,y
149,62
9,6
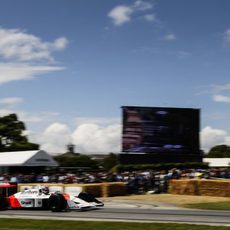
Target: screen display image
x,y
160,129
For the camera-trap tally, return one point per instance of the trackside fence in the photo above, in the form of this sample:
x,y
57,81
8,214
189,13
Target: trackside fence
x,y
181,186
97,189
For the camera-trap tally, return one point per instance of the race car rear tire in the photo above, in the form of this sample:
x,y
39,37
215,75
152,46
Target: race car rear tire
x,y
57,202
4,204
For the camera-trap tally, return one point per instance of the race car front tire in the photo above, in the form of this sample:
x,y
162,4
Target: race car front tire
x,y
4,204
57,202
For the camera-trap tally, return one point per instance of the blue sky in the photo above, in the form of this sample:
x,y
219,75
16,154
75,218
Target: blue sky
x,y
67,66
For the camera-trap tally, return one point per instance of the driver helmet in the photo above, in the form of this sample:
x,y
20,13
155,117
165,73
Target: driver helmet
x,y
45,190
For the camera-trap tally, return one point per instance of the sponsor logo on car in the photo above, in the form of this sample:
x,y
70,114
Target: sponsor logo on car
x,y
26,203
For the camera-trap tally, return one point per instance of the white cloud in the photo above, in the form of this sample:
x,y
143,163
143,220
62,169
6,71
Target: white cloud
x,y
216,92
227,36
227,140
221,98
93,138
211,137
22,71
120,15
60,43
23,116
97,136
24,53
4,112
142,5
220,88
10,101
18,45
39,117
150,17
123,13
102,121
169,37
55,138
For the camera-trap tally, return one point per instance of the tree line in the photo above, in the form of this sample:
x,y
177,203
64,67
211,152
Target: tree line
x,y
12,135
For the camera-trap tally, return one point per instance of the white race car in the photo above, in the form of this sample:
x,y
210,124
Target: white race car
x,y
41,198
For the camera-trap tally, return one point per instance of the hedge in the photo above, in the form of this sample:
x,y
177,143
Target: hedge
x,y
159,166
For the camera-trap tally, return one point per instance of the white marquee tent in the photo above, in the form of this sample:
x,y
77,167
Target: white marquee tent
x,y
27,158
217,162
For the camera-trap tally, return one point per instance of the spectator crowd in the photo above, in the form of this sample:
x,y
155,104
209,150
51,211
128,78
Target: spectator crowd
x,y
137,182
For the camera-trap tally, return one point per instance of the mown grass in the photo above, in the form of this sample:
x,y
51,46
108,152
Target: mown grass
x,y
211,206
15,224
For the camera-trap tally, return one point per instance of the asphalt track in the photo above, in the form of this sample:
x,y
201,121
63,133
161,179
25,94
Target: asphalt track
x,y
130,212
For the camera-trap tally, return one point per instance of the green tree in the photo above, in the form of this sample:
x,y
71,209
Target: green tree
x,y
110,161
11,135
219,151
72,160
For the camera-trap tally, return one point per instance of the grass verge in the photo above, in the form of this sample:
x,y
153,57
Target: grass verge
x,y
210,206
187,201
177,200
15,224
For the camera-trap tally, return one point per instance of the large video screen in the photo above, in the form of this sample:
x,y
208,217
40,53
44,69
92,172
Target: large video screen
x,y
160,130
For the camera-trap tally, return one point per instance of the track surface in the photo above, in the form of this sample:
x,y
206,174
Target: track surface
x,y
118,211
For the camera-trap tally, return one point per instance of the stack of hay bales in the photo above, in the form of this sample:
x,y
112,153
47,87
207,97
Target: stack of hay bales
x,y
188,187
200,187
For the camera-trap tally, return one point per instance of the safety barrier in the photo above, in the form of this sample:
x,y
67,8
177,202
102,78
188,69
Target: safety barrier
x,y
98,189
182,186
200,187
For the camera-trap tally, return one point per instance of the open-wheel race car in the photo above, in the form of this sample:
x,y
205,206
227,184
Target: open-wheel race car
x,y
41,198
